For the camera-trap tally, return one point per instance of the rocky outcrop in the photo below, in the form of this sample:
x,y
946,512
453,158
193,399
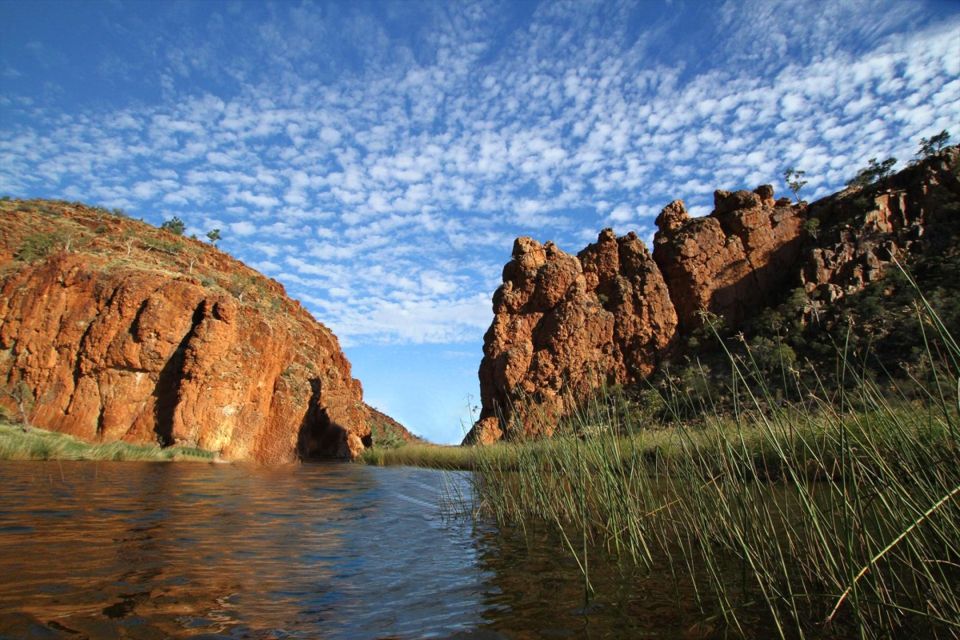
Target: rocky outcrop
x,y
729,262
564,326
860,232
113,330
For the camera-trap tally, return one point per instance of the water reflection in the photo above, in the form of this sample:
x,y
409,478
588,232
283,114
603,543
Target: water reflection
x,y
144,550
159,550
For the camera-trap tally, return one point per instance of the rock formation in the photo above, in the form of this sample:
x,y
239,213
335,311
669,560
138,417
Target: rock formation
x,y
113,330
729,262
564,326
859,232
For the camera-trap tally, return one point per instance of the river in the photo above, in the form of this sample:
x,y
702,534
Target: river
x,y
155,550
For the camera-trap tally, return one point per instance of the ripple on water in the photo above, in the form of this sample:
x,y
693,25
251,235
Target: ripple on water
x,y
146,550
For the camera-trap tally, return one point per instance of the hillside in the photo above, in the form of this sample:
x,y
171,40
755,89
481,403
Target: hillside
x,y
789,282
111,329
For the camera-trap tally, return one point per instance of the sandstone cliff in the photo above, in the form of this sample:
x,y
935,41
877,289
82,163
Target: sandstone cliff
x,y
564,326
111,329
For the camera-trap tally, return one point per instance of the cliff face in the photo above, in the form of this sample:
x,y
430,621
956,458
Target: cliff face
x,y
563,325
113,330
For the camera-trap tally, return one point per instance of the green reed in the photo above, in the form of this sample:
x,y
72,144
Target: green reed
x,y
19,442
839,517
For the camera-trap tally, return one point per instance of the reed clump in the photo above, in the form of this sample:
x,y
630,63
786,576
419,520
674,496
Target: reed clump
x,y
433,456
21,442
838,516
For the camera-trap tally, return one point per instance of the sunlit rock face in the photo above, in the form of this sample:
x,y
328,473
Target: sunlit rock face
x,y
130,333
729,262
564,326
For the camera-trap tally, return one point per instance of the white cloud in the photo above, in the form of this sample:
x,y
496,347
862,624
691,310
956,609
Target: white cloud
x,y
243,228
383,191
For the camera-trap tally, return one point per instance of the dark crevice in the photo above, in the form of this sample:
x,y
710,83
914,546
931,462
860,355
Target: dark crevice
x,y
100,421
167,391
135,324
319,436
82,345
78,363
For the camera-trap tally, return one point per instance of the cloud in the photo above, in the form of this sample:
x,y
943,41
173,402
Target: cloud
x,y
382,179
243,228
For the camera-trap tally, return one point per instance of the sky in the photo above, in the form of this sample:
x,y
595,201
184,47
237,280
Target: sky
x,y
379,158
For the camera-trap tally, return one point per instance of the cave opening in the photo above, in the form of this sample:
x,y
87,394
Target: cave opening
x,y
319,436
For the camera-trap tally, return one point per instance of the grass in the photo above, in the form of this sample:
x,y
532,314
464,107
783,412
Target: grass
x,y
29,443
417,454
838,518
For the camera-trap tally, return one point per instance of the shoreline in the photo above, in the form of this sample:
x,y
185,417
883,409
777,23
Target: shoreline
x,y
28,443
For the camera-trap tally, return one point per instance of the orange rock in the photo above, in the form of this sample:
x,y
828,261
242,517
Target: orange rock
x,y
146,342
732,261
565,325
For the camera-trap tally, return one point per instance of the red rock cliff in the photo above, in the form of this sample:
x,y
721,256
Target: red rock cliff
x,y
565,325
113,330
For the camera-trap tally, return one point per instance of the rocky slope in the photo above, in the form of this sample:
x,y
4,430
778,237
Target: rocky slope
x,y
111,329
566,325
387,432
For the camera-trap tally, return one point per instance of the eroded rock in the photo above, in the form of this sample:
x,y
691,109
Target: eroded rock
x,y
118,343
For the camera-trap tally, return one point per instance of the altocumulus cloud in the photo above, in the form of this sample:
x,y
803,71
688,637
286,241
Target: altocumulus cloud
x,y
379,162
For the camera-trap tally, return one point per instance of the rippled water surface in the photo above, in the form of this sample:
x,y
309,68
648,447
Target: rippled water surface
x,y
152,550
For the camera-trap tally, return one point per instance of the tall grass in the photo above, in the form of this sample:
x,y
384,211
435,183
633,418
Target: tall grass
x,y
18,442
839,517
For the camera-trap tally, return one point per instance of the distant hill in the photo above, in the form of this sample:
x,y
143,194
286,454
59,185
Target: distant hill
x,y
388,432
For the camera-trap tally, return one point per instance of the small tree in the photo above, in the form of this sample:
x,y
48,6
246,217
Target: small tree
x,y
933,145
873,172
214,236
794,179
174,225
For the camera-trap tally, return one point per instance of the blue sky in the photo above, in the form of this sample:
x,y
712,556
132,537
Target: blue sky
x,y
379,158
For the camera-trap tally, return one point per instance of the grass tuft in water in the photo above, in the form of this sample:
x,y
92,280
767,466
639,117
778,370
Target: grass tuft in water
x,y
837,517
18,442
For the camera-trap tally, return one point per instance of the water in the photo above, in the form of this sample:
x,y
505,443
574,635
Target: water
x,y
153,550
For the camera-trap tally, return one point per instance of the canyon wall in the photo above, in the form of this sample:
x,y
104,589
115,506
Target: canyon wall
x,y
566,325
113,330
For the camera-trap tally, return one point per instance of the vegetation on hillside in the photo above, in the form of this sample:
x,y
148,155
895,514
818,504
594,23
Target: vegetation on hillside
x,y
39,229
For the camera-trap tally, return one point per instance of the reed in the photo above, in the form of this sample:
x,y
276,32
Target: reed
x,y
19,442
433,456
835,517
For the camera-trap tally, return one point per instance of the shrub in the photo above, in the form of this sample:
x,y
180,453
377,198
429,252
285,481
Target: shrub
x,y
933,145
156,244
794,179
36,247
174,225
873,172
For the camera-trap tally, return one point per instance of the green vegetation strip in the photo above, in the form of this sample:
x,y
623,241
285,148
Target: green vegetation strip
x,y
29,443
